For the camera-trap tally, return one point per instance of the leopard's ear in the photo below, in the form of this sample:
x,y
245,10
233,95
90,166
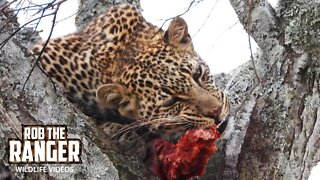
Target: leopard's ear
x,y
117,97
177,34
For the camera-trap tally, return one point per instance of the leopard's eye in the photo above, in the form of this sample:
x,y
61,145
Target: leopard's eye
x,y
196,76
171,102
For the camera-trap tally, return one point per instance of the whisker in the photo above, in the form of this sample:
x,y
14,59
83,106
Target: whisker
x,y
182,128
132,127
181,122
140,138
188,126
127,129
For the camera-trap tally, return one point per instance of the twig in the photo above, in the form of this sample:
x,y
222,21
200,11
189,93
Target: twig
x,y
9,18
205,21
252,59
15,32
21,7
221,34
181,14
46,43
69,16
36,27
7,5
20,4
250,3
44,72
28,8
47,5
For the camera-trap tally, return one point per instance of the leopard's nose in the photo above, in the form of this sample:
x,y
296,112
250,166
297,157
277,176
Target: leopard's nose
x,y
212,112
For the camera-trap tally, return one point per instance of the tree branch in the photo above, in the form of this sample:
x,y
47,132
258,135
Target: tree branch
x,y
257,19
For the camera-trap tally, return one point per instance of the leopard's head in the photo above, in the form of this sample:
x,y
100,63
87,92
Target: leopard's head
x,y
166,85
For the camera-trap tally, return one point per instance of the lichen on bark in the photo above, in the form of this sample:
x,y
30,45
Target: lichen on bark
x,y
282,138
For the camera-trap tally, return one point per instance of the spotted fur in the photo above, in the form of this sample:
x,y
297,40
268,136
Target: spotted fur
x,y
123,65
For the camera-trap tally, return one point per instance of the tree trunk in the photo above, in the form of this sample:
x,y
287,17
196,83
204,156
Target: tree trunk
x,y
275,103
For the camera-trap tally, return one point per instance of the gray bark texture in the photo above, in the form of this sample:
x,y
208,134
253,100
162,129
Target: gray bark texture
x,y
274,103
277,115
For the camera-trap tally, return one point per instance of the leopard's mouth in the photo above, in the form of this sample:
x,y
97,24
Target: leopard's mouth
x,y
215,118
220,123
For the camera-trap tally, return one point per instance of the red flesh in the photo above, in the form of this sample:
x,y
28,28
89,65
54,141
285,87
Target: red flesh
x,y
188,157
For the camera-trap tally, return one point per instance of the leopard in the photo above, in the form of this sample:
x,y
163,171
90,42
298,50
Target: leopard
x,y
126,71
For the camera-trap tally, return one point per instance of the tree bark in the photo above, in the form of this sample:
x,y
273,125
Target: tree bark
x,y
277,115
